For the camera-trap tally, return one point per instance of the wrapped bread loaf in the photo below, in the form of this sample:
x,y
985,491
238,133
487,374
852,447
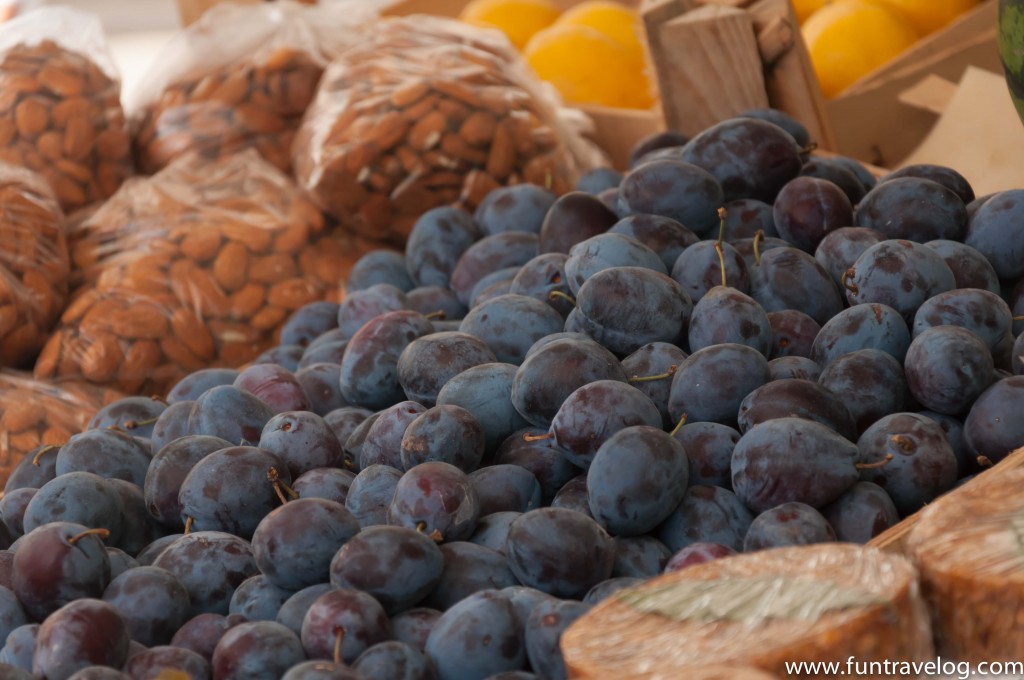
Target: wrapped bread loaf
x,y
428,112
34,265
821,603
241,77
969,547
197,266
60,105
35,413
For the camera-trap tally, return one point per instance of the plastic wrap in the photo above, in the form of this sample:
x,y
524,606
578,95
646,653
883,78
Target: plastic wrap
x,y
197,266
969,547
60,104
821,603
241,77
34,266
429,112
33,413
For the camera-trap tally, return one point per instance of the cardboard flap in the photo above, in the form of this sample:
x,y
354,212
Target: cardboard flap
x,y
986,149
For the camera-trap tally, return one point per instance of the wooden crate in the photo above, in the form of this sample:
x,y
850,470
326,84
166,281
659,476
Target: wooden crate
x,y
706,55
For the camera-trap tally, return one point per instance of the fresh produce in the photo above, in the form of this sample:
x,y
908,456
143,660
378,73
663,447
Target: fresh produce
x,y
391,486
424,113
34,264
196,266
62,114
849,39
239,78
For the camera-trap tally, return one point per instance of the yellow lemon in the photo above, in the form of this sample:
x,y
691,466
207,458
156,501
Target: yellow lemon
x,y
613,19
518,19
849,39
588,67
928,16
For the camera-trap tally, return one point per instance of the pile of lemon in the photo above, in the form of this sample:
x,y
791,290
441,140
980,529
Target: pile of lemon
x,y
847,39
592,53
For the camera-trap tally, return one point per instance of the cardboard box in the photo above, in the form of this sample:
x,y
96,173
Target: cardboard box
x,y
872,121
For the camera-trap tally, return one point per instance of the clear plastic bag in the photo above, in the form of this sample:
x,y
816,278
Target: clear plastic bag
x,y
197,266
241,77
829,603
60,104
34,265
969,547
428,112
35,413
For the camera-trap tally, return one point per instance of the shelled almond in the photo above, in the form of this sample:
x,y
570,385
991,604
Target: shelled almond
x,y
61,116
248,104
35,413
196,266
34,265
419,116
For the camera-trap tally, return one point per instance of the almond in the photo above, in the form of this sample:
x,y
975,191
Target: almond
x,y
247,301
193,334
268,318
32,116
272,268
139,363
501,160
20,415
79,139
427,132
201,245
231,267
478,129
139,322
102,359
292,294
175,349
61,81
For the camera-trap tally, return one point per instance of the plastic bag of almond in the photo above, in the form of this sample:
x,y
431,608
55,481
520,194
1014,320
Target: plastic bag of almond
x,y
194,267
241,77
428,112
34,264
60,104
35,414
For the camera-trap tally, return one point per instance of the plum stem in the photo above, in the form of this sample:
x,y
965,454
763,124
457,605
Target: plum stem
x,y
985,462
875,465
439,315
157,397
280,487
36,458
339,637
527,437
1017,318
556,294
721,261
435,535
188,525
848,284
102,533
679,426
660,376
758,239
811,146
134,424
721,224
